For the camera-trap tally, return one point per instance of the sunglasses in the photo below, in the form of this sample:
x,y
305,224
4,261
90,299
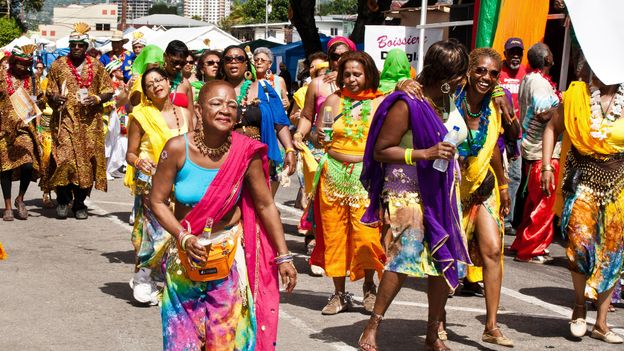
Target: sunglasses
x,y
176,63
335,57
190,62
151,85
234,59
211,63
481,71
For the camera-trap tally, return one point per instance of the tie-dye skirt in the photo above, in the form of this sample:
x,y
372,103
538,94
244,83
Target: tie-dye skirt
x,y
216,316
595,239
149,238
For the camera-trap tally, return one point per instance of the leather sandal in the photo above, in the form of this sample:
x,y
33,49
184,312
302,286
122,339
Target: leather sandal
x,y
8,215
433,328
501,340
22,212
375,320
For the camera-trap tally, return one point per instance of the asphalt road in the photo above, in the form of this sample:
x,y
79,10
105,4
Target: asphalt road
x,y
65,287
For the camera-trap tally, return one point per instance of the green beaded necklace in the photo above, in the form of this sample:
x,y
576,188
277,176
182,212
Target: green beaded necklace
x,y
347,105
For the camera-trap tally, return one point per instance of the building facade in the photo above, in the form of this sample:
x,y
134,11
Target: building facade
x,y
285,32
101,17
136,8
211,11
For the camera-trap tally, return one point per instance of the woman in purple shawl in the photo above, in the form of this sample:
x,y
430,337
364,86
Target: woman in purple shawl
x,y
423,236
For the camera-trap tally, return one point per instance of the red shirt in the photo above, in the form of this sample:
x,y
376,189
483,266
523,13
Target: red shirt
x,y
511,80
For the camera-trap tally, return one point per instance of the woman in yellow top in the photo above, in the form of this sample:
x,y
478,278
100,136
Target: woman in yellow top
x,y
484,194
593,195
345,246
151,125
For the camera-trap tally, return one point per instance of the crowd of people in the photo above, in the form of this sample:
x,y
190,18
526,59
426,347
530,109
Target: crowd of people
x,y
401,173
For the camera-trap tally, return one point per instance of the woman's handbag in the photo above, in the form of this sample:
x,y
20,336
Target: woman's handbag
x,y
221,253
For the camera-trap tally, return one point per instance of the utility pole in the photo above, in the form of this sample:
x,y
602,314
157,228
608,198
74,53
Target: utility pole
x,y
122,23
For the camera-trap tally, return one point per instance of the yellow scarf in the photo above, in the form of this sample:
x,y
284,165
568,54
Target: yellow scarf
x,y
577,113
157,131
478,166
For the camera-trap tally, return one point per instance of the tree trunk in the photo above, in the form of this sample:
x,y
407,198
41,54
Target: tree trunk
x,y
302,17
366,15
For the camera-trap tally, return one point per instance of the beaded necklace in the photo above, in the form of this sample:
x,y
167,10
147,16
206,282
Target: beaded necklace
x,y
78,77
472,146
602,121
9,82
359,124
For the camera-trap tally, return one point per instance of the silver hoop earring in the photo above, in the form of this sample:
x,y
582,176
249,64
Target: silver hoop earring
x,y
445,88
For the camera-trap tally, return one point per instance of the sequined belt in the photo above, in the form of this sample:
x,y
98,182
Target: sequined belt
x,y
603,178
342,180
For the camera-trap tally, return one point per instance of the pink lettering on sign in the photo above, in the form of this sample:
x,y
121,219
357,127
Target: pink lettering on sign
x,y
384,42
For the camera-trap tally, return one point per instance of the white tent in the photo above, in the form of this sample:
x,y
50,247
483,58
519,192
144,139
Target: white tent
x,y
194,38
23,40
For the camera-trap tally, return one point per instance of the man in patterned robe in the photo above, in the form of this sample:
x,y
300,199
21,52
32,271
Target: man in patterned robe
x,y
78,86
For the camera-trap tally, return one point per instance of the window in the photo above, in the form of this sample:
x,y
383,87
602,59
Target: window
x,y
113,12
105,12
333,31
44,33
102,26
52,33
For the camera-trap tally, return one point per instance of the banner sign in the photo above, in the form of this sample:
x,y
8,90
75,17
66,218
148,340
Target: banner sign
x,y
378,40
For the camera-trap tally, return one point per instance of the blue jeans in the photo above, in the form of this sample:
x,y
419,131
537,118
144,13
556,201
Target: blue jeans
x,y
515,176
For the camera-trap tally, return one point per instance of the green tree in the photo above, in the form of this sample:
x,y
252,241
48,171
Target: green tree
x,y
254,11
338,7
9,30
163,8
196,17
18,7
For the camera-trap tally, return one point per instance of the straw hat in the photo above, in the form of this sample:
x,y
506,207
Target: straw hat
x,y
118,36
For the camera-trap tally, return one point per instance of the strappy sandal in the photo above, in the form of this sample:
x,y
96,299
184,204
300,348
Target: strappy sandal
x,y
438,343
442,334
375,319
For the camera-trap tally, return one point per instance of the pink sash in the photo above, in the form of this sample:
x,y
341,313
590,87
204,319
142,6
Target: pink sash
x,y
220,197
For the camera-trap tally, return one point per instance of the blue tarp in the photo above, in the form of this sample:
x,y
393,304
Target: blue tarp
x,y
47,58
291,54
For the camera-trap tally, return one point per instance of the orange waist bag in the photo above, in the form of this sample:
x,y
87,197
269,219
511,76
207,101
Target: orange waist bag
x,y
219,263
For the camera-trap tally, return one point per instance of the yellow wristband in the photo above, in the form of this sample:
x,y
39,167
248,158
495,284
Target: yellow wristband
x,y
503,187
408,157
290,149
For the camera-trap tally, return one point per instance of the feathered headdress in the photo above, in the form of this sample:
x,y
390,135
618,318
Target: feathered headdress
x,y
24,52
80,33
138,38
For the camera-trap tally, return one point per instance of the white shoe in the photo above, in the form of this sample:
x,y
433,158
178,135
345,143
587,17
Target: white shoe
x,y
131,219
109,177
143,288
317,271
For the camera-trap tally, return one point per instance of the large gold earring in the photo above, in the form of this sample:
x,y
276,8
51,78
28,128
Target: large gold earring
x,y
248,75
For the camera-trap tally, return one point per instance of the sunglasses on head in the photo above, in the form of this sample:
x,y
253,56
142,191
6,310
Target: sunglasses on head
x,y
481,71
211,63
234,59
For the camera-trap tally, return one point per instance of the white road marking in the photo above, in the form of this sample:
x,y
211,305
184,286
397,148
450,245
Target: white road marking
x,y
562,311
302,326
102,212
113,203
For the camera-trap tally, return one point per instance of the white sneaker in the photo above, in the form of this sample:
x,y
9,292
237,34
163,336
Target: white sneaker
x,y
143,288
316,271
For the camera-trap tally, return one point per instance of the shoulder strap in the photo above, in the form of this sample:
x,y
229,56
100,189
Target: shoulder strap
x,y
186,144
353,106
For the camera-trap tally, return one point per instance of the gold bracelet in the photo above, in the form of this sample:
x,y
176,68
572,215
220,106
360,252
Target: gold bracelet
x,y
547,168
290,149
184,239
503,187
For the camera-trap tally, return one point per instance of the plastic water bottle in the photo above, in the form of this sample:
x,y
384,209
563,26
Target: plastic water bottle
x,y
451,138
328,123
